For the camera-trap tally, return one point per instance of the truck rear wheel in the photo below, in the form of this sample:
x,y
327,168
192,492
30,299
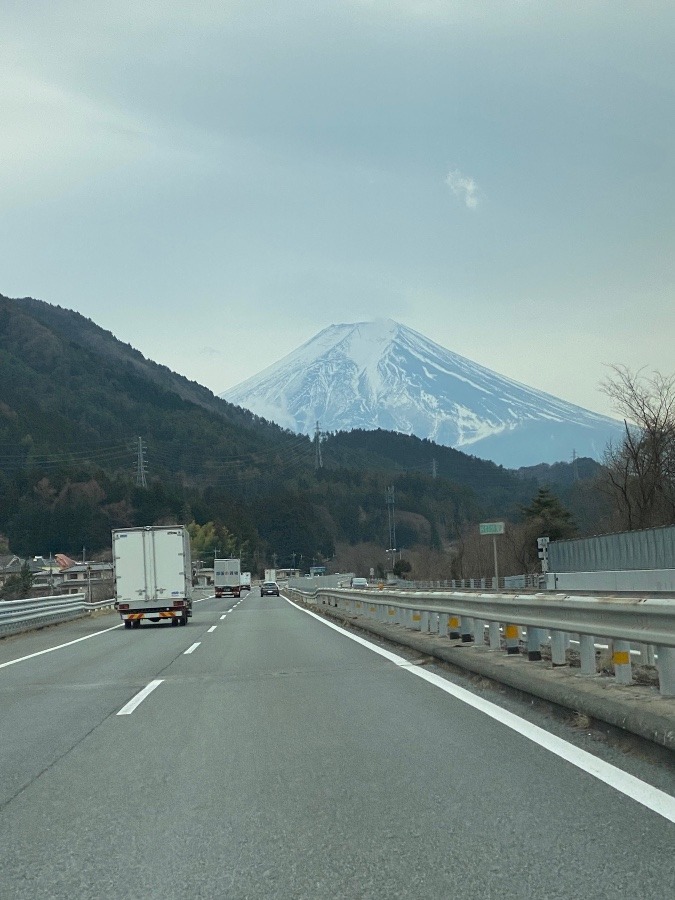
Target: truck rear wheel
x,y
127,623
174,622
137,623
183,620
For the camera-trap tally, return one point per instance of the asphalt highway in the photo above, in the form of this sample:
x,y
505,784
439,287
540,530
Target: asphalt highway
x,y
263,753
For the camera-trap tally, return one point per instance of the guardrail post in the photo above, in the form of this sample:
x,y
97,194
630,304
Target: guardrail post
x,y
587,654
416,620
534,638
512,634
424,622
434,623
666,669
623,670
465,624
479,632
558,656
495,636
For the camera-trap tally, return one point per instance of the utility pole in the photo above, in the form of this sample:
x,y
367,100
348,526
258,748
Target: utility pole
x,y
141,465
318,461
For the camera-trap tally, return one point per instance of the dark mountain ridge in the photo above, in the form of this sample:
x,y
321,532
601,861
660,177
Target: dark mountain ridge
x,y
64,326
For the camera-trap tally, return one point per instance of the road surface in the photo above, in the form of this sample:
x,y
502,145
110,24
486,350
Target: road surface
x,y
263,753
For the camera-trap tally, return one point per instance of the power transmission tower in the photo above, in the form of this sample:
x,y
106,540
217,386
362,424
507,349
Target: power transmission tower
x,y
141,465
389,497
318,461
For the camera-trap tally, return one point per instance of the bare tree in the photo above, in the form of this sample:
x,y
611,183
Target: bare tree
x,y
640,475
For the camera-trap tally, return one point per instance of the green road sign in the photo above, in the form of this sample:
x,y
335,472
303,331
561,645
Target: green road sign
x,y
491,527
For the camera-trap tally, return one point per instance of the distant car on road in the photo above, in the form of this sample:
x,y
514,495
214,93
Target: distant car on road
x,y
359,582
269,589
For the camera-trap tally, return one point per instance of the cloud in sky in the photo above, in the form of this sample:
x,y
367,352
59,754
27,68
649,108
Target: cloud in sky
x,y
464,187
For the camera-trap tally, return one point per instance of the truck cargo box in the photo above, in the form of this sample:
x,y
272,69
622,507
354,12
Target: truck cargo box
x,y
153,574
227,577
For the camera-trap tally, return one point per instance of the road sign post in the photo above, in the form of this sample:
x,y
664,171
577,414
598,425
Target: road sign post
x,y
493,528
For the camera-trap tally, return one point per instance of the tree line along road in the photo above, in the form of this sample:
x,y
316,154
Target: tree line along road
x,y
262,752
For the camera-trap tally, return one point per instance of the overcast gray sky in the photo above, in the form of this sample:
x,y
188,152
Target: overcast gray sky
x,y
215,182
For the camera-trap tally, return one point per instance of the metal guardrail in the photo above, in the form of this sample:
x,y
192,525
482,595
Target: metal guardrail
x,y
538,619
22,615
510,582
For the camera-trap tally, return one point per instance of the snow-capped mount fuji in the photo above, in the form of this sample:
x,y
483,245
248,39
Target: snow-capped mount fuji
x,y
382,374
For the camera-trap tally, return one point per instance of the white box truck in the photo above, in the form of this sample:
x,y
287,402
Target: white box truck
x,y
227,577
152,571
270,574
246,581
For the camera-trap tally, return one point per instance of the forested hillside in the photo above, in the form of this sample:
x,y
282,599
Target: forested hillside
x,y
74,402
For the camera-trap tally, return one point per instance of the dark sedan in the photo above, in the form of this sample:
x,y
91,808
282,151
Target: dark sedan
x,y
269,589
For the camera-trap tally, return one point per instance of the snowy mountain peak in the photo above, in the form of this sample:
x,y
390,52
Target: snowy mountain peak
x,y
383,374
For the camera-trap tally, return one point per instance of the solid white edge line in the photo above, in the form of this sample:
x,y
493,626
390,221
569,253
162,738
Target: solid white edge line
x,y
129,707
658,801
13,662
192,648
